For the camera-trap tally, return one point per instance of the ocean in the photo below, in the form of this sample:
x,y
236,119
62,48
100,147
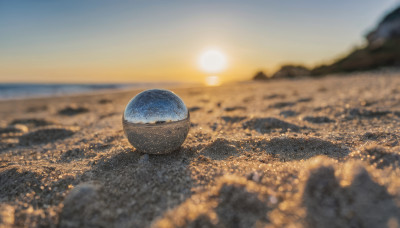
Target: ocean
x,y
26,90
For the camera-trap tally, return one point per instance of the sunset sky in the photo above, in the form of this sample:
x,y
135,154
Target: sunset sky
x,y
129,41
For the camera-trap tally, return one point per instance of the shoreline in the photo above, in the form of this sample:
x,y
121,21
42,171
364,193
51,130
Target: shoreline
x,y
119,87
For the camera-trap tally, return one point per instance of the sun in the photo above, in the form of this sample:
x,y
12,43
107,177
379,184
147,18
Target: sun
x,y
212,61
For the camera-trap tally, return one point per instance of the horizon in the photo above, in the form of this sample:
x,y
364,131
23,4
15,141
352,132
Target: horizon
x,y
81,42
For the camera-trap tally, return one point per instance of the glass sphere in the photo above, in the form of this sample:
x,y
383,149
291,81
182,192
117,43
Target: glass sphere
x,y
156,121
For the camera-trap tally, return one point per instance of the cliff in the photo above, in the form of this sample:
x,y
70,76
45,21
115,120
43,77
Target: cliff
x,y
382,49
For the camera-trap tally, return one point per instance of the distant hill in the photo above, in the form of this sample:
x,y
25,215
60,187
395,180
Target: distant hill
x,y
382,50
260,76
286,71
291,71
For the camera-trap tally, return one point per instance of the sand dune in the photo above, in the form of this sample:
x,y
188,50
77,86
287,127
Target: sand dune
x,y
302,153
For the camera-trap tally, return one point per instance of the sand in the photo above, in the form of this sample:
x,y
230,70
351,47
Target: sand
x,y
285,153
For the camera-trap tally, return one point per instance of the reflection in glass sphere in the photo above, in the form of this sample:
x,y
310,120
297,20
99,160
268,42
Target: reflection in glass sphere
x,y
156,121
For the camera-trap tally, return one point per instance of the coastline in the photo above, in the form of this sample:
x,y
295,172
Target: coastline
x,y
20,91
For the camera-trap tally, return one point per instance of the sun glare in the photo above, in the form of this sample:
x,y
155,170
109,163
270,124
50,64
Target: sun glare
x,y
212,61
212,81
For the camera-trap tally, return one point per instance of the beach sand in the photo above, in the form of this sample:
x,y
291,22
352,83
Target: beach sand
x,y
295,153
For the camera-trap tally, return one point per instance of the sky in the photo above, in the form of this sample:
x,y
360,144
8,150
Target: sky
x,y
96,41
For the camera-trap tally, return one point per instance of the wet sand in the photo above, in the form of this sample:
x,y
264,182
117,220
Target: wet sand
x,y
299,153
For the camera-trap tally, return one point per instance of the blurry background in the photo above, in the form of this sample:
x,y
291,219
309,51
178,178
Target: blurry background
x,y
152,41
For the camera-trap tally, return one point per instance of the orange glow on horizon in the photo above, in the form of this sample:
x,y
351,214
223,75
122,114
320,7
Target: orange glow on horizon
x,y
213,81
